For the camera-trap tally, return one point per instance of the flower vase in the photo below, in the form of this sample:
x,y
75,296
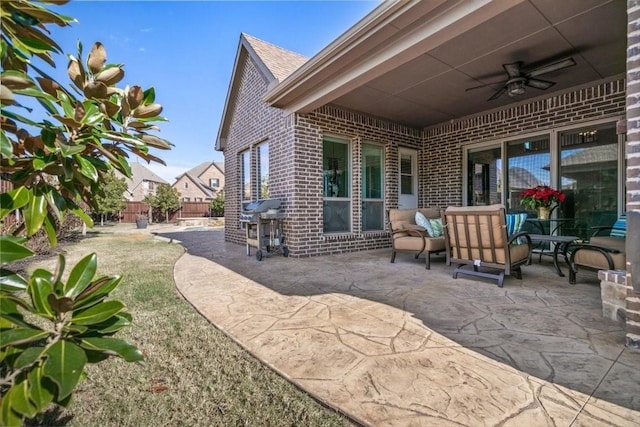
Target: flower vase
x,y
543,213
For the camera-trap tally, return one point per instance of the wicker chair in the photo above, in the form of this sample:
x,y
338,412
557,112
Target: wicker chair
x,y
476,238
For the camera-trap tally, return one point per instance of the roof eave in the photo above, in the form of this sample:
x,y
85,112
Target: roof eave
x,y
329,74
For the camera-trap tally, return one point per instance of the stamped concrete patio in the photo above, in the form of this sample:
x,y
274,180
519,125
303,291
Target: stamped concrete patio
x,y
395,344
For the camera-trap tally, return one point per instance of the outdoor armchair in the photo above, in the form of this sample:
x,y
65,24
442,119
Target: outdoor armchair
x,y
477,241
602,252
408,236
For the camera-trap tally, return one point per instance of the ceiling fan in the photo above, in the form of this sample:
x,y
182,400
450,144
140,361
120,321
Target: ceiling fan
x,y
517,79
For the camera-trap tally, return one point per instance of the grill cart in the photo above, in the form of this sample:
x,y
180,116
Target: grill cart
x,y
263,225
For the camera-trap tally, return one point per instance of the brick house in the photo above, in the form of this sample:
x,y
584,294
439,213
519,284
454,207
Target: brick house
x,y
142,182
438,103
202,183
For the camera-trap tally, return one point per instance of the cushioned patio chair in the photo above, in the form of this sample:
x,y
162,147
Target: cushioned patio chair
x,y
477,240
408,236
601,252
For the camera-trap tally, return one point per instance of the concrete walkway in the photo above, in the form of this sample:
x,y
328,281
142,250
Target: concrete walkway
x,y
397,345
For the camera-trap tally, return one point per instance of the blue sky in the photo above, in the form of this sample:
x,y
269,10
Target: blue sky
x,y
186,50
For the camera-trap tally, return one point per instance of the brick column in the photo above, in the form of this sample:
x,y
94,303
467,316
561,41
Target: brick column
x,y
633,173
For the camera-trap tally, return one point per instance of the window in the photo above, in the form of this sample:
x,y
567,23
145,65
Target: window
x,y
198,199
186,184
528,164
336,213
186,199
483,176
588,174
263,170
214,183
245,175
586,163
372,187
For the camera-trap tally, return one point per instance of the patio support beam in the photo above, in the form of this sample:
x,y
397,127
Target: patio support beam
x,y
633,172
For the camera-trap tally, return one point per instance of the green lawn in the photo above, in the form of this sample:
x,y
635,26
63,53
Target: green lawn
x,y
193,375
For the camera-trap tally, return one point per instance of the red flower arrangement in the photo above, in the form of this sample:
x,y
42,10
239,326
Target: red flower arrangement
x,y
541,196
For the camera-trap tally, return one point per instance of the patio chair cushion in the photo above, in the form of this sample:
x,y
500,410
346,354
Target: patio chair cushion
x,y
423,222
595,260
619,229
515,223
436,227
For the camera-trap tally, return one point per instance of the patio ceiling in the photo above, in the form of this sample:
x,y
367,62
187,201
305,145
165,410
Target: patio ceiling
x,y
410,62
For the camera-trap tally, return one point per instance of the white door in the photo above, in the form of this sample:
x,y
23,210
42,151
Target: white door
x,y
408,180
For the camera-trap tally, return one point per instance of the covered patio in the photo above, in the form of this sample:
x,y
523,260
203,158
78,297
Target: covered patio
x,y
395,344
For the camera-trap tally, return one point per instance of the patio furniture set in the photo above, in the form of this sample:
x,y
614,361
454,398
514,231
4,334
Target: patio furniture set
x,y
485,241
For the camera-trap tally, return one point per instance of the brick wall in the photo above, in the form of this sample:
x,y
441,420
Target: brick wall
x,y
295,154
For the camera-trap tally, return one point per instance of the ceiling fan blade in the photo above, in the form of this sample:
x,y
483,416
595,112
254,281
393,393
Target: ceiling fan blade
x,y
554,66
539,84
513,70
484,85
498,94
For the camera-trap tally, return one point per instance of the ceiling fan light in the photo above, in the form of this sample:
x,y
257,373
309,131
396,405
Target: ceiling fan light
x,y
515,88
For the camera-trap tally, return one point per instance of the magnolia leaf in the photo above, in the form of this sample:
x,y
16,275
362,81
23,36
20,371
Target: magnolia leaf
x,y
81,276
86,168
98,290
98,313
20,401
110,76
40,389
39,289
155,142
114,347
64,366
49,86
17,336
6,95
8,417
16,80
12,249
149,96
6,148
73,70
114,324
28,357
60,305
12,200
97,58
34,213
50,229
94,89
147,111
135,95
11,281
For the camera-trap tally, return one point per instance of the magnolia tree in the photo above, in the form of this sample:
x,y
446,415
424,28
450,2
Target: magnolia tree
x,y
54,323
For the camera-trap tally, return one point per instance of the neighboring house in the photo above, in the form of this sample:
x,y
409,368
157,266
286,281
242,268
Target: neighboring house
x,y
202,183
142,182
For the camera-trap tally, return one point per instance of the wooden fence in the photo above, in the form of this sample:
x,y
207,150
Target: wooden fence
x,y
188,210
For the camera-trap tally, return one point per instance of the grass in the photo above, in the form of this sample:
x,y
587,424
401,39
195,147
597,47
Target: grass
x,y
193,374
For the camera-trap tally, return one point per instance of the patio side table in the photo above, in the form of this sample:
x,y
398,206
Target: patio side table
x,y
560,243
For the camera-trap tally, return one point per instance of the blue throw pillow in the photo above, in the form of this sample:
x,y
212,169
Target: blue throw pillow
x,y
423,222
515,223
620,227
436,227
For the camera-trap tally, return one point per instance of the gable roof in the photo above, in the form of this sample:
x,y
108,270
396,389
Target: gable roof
x,y
194,174
139,174
275,64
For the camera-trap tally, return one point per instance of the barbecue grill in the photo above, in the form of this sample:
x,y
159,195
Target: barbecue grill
x,y
263,226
